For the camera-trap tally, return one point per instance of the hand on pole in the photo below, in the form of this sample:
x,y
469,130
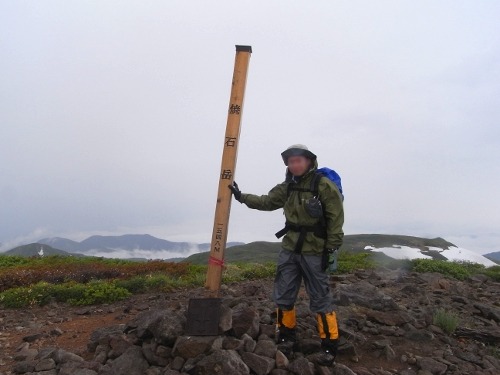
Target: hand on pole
x,y
236,191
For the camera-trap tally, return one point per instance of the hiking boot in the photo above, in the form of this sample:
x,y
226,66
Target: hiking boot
x,y
327,355
286,338
322,358
286,347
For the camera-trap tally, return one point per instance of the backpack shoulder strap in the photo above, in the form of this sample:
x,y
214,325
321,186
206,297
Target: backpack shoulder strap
x,y
315,184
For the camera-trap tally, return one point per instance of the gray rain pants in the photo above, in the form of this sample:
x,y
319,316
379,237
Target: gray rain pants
x,y
292,268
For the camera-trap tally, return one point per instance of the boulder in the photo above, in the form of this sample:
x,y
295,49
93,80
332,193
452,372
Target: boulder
x,y
192,346
132,362
301,366
431,365
266,348
164,325
221,362
259,364
364,294
246,320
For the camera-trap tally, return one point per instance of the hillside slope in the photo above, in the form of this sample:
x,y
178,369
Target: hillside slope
x,y
382,247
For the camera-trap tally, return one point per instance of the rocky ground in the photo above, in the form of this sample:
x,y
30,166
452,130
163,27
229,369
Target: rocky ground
x,y
385,318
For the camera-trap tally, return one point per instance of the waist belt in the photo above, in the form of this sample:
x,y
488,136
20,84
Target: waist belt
x,y
319,230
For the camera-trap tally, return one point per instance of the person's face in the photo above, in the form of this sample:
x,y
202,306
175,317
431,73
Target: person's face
x,y
298,165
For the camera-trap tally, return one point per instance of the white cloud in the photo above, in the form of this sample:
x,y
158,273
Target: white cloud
x,y
113,116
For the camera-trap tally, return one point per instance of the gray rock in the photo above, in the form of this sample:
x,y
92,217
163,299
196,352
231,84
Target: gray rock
x,y
34,337
226,318
221,362
266,348
489,312
340,369
389,353
46,353
392,318
249,344
378,371
408,372
192,346
56,332
163,351
268,330
282,361
364,294
431,365
24,366
177,363
259,364
149,352
118,344
164,325
102,333
246,320
419,335
45,364
62,356
101,353
25,354
278,371
69,368
357,370
84,371
231,343
132,362
300,366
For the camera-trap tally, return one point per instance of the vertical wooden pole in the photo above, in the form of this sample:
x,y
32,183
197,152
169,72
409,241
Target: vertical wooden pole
x,y
227,170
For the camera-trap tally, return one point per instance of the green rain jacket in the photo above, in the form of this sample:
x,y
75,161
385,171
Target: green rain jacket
x,y
295,213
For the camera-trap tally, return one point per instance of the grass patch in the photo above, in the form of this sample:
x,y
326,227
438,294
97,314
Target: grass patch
x,y
349,262
493,272
457,270
446,320
73,293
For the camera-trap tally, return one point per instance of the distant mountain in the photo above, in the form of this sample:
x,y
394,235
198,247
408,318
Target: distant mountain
x,y
257,252
36,249
124,242
142,246
381,246
493,256
61,243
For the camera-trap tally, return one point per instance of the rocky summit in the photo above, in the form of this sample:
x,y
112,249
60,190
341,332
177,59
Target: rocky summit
x,y
389,324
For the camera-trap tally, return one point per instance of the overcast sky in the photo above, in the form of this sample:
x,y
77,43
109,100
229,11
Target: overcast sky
x,y
113,113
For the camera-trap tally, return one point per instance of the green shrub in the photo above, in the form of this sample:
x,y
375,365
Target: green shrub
x,y
19,297
494,351
493,272
349,262
252,271
446,320
100,292
13,260
458,270
136,284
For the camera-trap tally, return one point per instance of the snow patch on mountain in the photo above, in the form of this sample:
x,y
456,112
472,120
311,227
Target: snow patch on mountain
x,y
452,254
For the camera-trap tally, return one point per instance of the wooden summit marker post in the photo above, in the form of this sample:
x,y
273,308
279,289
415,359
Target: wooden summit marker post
x,y
227,171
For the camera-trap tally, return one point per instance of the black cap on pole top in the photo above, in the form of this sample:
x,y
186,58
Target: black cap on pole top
x,y
243,48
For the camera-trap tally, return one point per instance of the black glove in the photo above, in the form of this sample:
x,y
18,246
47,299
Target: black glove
x,y
326,258
236,191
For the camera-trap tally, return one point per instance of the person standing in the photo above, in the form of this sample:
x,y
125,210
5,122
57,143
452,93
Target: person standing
x,y
314,215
